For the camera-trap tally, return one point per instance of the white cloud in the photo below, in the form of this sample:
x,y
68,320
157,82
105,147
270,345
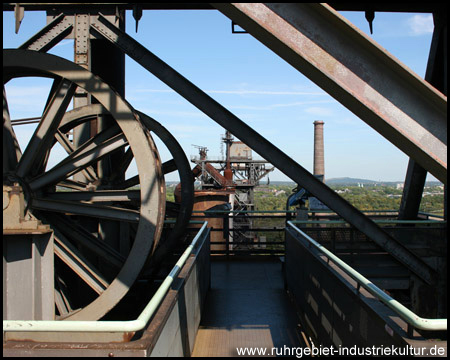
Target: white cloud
x,y
347,121
262,92
319,111
172,113
239,92
153,90
26,101
64,43
420,24
281,105
22,92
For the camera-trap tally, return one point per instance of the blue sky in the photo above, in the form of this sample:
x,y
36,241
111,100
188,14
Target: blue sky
x,y
248,79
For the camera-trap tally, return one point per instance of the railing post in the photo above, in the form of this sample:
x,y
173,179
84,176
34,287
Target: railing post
x,y
226,233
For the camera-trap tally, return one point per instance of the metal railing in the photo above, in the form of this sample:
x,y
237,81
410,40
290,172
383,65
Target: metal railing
x,y
110,326
407,315
274,244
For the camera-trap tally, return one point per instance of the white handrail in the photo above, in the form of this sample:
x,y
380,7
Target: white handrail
x,y
108,326
406,314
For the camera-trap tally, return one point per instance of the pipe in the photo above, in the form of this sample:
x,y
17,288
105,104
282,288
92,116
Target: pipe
x,y
406,314
109,326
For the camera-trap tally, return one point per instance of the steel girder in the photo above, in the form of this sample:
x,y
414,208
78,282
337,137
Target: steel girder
x,y
103,28
356,71
436,75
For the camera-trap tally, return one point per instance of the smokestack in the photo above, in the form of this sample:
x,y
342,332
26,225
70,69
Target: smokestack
x,y
319,162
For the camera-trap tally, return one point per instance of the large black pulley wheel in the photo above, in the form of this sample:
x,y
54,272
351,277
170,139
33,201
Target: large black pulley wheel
x,y
176,233
103,232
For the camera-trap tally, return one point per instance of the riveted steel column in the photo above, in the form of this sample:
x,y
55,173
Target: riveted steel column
x,y
81,133
108,62
258,143
357,72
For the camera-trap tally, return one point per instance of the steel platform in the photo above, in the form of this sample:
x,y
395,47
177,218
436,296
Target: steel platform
x,y
246,307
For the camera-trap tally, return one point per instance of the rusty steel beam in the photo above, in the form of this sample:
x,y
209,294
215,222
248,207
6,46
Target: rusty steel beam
x,y
50,35
356,71
420,7
436,75
103,28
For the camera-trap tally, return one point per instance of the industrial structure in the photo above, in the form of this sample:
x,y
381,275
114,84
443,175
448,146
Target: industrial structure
x,y
97,263
241,174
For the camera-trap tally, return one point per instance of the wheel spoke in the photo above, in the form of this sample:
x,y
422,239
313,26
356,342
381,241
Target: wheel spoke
x,y
133,181
61,298
72,184
115,231
92,143
42,139
97,196
169,166
75,163
73,259
62,139
81,236
122,167
83,209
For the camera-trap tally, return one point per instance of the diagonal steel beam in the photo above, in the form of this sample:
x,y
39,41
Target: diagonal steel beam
x,y
50,35
103,28
436,75
357,72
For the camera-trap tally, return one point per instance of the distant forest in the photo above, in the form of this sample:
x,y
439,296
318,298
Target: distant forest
x,y
274,197
368,197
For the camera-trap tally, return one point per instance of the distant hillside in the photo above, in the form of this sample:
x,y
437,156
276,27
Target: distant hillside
x,y
344,181
347,181
278,183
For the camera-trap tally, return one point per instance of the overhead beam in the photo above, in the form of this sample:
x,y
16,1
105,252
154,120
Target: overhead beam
x,y
421,7
103,28
356,71
436,75
411,7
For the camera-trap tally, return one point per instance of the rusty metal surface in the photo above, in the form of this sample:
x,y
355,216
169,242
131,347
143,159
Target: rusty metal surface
x,y
357,72
436,75
184,171
205,200
180,164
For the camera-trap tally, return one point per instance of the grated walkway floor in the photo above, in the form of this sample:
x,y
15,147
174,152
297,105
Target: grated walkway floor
x,y
247,307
